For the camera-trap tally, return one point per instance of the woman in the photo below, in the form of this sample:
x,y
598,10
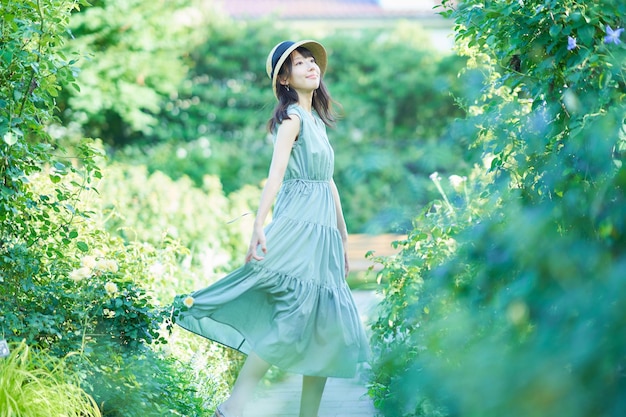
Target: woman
x,y
289,305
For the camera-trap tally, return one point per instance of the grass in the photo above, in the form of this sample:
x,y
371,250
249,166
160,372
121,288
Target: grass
x,y
34,384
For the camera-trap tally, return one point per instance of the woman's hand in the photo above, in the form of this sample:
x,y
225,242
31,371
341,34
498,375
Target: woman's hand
x,y
258,239
345,255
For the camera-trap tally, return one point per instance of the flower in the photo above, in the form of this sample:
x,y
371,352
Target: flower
x,y
457,181
107,265
188,301
437,180
88,261
612,36
157,269
109,314
110,287
80,274
571,43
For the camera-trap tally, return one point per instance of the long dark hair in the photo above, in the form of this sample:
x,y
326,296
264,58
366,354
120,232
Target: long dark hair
x,y
322,102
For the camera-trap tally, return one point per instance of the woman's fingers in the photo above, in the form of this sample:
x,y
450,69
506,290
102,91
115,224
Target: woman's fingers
x,y
252,250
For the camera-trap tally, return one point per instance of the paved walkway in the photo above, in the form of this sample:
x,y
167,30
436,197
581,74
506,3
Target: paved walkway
x,y
342,397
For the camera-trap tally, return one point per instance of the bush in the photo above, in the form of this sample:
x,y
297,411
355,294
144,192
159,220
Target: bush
x,y
69,288
520,318
135,60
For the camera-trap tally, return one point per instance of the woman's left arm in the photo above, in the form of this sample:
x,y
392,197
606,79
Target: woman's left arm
x,y
341,223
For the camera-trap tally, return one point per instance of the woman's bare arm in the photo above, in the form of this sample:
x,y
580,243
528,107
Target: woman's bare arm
x,y
285,138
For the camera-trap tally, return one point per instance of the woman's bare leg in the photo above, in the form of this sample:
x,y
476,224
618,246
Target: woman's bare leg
x,y
251,373
312,390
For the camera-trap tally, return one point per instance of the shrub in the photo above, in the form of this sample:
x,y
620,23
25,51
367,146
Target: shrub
x,y
520,319
68,286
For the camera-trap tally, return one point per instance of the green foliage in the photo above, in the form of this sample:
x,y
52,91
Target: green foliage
x,y
92,291
69,287
36,384
215,124
407,308
135,62
153,384
32,75
142,207
522,317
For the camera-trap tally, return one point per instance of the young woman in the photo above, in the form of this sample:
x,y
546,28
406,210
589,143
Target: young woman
x,y
289,305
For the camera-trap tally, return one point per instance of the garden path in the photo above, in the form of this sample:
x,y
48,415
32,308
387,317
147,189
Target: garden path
x,y
342,397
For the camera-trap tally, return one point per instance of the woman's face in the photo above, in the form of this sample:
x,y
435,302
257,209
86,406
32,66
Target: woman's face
x,y
305,74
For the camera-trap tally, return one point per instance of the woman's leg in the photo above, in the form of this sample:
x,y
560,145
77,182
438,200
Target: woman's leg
x,y
251,373
312,390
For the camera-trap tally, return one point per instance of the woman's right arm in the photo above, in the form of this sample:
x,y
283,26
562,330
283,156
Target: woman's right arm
x,y
287,133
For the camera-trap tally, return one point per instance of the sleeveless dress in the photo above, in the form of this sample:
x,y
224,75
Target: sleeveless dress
x,y
293,308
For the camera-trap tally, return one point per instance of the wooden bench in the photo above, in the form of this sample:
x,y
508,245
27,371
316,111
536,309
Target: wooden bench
x,y
360,244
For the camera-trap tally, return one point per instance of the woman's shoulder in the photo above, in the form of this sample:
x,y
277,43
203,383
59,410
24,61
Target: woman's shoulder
x,y
295,109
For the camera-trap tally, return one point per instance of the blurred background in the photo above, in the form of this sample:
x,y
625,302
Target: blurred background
x,y
180,88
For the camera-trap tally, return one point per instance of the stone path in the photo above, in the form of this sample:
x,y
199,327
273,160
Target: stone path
x,y
342,397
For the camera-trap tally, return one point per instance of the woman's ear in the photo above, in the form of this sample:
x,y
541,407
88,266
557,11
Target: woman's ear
x,y
283,81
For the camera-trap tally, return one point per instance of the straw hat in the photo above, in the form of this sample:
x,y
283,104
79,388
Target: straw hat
x,y
280,52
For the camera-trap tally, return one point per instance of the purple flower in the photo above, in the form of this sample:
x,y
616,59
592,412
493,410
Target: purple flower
x,y
612,36
571,43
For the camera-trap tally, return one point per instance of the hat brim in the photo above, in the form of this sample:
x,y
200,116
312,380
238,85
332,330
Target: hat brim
x,y
316,48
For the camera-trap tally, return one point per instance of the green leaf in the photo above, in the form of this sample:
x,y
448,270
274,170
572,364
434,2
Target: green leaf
x,y
555,30
10,138
82,246
586,34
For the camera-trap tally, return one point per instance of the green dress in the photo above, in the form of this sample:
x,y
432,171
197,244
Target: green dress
x,y
293,308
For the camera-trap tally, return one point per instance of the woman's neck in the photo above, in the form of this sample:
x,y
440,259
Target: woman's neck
x,y
306,101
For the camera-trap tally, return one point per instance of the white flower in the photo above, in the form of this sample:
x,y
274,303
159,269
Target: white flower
x,y
107,265
88,261
188,301
457,182
181,153
110,288
451,244
435,176
157,269
488,160
109,314
80,274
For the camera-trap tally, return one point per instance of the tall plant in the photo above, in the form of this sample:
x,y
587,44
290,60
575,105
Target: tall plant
x,y
33,72
521,318
37,385
137,60
66,286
